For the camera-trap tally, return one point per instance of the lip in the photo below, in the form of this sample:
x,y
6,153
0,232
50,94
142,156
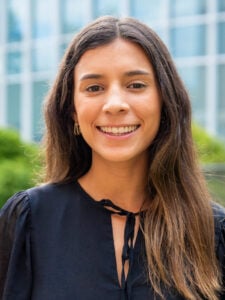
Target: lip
x,y
118,130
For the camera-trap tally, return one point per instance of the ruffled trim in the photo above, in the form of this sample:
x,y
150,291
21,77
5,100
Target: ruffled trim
x,y
15,248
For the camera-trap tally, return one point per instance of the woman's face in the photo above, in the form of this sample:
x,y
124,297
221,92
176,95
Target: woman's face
x,y
117,102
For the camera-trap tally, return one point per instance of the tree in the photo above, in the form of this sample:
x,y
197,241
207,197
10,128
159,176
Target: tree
x,y
19,164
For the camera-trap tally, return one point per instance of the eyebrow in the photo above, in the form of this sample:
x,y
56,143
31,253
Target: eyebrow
x,y
129,74
137,72
91,76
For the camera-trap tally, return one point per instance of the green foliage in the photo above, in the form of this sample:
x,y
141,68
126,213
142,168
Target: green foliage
x,y
10,144
210,149
19,164
212,156
216,185
14,176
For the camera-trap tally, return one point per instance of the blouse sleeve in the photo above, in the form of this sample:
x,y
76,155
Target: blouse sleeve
x,y
219,215
221,252
15,254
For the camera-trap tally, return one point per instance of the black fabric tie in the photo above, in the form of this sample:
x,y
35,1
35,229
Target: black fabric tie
x,y
128,246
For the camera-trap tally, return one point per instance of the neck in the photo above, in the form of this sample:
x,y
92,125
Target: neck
x,y
123,183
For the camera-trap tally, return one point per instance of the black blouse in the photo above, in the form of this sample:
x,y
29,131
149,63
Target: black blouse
x,y
56,243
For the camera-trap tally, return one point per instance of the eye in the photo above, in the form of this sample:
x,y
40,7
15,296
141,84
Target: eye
x,y
137,85
94,88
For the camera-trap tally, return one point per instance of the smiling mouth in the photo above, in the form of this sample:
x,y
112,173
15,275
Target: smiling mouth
x,y
119,130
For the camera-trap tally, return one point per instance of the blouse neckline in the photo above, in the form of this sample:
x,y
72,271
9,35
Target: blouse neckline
x,y
107,204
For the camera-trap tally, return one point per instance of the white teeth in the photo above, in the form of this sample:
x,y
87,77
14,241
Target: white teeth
x,y
118,130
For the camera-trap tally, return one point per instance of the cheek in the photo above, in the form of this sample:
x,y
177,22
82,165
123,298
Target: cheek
x,y
151,110
156,108
85,117
87,111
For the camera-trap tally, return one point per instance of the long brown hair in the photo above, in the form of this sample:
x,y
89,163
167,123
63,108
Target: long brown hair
x,y
178,226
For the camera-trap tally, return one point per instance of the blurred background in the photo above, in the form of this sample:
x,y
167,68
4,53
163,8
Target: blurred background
x,y
35,33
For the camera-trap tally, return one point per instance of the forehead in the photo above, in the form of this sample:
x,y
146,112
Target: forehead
x,y
118,53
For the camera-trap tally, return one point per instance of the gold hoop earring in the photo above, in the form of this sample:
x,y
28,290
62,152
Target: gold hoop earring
x,y
76,129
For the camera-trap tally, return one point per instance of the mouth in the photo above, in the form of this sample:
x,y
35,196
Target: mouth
x,y
118,130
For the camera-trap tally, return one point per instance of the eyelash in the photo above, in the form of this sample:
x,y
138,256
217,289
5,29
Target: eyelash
x,y
137,85
93,89
97,88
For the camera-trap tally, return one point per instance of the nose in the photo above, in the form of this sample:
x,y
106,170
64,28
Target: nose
x,y
115,102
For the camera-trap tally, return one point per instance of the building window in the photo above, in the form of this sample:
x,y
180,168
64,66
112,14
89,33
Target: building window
x,y
221,100
16,18
43,22
221,37
188,41
13,105
195,81
44,57
62,49
106,7
148,11
73,15
39,90
180,8
14,62
162,33
221,5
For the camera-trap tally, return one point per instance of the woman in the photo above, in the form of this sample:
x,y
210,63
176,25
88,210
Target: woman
x,y
124,212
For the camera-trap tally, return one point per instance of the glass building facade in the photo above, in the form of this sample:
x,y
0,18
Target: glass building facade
x,y
35,33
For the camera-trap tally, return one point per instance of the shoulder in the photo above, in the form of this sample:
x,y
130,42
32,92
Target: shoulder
x,y
52,194
37,207
51,190
16,205
47,194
